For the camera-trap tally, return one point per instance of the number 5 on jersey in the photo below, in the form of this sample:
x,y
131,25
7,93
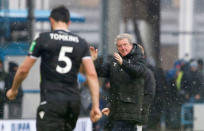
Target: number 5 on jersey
x,y
66,59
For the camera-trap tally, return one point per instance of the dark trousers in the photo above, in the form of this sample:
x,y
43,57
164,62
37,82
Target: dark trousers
x,y
15,110
124,126
1,111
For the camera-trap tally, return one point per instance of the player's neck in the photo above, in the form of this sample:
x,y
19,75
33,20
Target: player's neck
x,y
60,26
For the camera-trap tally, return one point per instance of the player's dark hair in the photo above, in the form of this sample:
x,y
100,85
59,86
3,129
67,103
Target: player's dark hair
x,y
60,13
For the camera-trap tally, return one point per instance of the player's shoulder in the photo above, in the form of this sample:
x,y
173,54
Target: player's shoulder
x,y
41,35
76,35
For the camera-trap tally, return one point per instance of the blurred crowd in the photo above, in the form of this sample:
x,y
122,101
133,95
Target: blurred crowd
x,y
6,79
184,85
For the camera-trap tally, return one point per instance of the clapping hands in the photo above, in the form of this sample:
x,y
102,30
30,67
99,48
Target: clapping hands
x,y
118,58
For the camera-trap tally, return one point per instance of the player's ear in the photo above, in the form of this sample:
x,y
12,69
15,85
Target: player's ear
x,y
69,23
51,20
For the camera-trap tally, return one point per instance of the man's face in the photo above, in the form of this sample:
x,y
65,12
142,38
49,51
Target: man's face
x,y
124,47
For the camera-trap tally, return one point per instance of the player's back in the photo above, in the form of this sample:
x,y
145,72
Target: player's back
x,y
61,54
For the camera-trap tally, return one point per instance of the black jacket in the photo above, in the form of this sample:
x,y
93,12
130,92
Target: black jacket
x,y
127,85
2,87
149,92
192,83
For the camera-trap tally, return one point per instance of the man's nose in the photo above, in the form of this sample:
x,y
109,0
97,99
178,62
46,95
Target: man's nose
x,y
123,47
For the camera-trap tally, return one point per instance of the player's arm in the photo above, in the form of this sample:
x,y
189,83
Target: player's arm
x,y
92,79
21,74
93,83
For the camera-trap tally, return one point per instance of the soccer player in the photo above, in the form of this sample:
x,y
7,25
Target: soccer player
x,y
61,54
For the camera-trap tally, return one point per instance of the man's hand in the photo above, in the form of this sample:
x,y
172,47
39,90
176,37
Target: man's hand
x,y
106,111
95,114
118,58
11,94
94,53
